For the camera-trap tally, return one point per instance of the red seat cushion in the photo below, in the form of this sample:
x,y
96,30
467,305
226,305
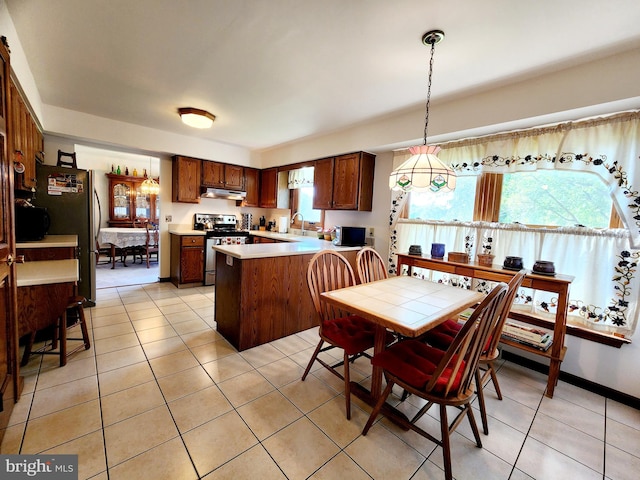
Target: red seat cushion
x,y
414,362
353,333
442,336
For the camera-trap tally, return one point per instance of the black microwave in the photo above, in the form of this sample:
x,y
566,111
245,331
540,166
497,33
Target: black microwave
x,y
350,236
32,223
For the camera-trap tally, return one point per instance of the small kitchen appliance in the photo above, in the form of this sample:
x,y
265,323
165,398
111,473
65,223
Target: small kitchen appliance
x,y
350,236
219,230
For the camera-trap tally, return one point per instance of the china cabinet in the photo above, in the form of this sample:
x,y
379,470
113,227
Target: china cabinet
x,y
127,205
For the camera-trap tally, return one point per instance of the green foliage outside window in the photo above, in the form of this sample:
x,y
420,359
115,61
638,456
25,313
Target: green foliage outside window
x,y
555,198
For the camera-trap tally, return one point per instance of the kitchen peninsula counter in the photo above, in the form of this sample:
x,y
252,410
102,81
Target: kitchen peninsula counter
x,y
286,244
261,289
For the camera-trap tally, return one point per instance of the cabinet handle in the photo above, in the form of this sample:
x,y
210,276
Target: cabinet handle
x,y
17,259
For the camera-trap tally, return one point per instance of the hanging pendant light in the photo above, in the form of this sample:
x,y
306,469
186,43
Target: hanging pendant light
x,y
424,170
149,186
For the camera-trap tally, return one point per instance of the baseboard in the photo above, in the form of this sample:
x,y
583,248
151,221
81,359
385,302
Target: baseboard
x,y
588,385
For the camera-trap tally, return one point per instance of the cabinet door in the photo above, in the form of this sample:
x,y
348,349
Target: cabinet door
x,y
192,264
120,200
346,179
213,174
233,177
252,185
269,188
143,206
185,186
9,369
323,184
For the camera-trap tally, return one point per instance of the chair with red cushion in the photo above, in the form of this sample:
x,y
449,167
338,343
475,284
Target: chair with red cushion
x,y
442,336
441,377
328,270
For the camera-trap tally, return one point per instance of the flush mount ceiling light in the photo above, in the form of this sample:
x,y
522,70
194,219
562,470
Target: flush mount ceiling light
x,y
194,117
424,169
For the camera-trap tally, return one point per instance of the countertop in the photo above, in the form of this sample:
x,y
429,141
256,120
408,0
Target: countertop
x,y
46,272
187,232
288,244
51,241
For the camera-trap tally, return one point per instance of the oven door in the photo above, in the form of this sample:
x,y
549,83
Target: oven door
x,y
210,261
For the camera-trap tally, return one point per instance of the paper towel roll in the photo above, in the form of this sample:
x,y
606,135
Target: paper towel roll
x,y
283,225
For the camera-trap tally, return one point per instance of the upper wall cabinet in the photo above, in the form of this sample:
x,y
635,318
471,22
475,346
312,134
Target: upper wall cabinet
x,y
28,142
344,182
222,175
185,185
269,188
252,187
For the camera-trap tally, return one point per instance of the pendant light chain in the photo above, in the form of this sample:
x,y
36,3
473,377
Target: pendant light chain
x,y
426,117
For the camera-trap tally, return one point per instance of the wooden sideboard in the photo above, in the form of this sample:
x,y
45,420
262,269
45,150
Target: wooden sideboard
x,y
558,284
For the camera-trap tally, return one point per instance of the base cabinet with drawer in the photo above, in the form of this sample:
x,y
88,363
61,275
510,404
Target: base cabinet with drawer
x,y
187,260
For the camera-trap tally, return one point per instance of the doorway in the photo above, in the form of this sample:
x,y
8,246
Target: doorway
x,y
105,162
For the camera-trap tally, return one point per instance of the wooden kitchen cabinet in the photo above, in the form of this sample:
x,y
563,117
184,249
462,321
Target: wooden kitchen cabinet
x,y
28,141
344,182
127,205
252,187
185,186
269,188
222,175
187,260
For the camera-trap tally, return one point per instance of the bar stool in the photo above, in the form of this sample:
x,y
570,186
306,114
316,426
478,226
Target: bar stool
x,y
72,316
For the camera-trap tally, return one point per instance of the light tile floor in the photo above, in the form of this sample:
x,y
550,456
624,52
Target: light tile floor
x,y
162,395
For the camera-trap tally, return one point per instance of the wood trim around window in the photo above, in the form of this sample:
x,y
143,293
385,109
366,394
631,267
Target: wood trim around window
x,y
488,194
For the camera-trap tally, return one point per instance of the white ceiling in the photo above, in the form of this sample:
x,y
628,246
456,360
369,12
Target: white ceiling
x,y
274,71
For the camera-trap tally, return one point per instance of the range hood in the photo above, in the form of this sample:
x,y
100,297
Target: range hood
x,y
207,192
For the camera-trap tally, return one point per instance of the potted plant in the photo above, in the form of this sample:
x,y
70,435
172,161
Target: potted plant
x,y
486,257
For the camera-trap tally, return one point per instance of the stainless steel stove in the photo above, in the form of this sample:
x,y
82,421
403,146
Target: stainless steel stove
x,y
220,230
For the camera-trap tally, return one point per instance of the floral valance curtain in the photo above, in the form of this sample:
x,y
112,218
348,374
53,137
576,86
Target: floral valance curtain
x,y
301,177
608,147
605,294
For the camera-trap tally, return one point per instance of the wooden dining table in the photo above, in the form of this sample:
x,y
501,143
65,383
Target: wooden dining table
x,y
120,237
407,305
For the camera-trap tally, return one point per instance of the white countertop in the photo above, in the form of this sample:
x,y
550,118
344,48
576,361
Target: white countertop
x,y
51,241
46,272
187,232
287,245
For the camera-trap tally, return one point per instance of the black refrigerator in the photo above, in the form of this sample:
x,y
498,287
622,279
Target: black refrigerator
x,y
69,197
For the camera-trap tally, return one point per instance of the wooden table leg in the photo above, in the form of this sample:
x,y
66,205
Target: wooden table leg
x,y
376,374
113,256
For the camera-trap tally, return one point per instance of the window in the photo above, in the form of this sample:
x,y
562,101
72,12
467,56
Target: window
x,y
301,190
455,205
555,198
302,201
542,198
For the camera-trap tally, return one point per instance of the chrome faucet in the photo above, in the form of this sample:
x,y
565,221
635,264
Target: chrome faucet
x,y
298,214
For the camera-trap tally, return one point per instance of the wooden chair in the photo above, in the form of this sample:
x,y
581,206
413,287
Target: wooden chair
x,y
327,271
370,266
441,377
152,246
66,163
442,336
